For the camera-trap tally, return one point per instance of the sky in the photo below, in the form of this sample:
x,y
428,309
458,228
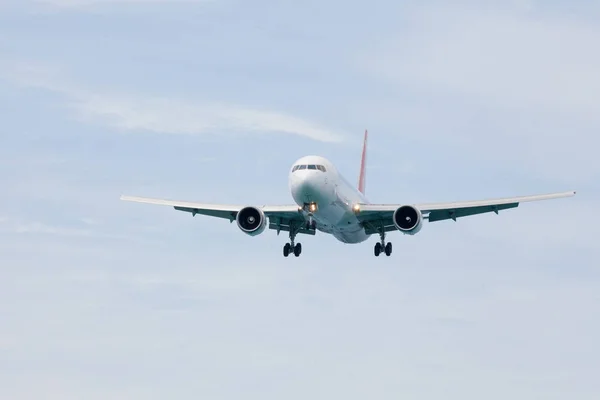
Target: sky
x,y
213,101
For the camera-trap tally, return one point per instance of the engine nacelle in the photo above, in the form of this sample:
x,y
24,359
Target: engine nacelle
x,y
408,220
251,220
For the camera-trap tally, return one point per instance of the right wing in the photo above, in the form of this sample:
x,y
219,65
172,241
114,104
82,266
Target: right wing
x,y
375,216
281,217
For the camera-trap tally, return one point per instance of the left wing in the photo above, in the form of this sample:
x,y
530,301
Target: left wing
x,y
374,216
281,217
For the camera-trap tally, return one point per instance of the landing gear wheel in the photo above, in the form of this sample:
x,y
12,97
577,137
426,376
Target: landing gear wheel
x,y
297,249
286,249
388,249
377,249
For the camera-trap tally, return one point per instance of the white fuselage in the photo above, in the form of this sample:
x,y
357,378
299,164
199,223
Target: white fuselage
x,y
333,195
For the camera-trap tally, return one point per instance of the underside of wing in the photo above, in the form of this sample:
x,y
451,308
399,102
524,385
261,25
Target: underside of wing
x,y
214,210
281,217
376,217
453,210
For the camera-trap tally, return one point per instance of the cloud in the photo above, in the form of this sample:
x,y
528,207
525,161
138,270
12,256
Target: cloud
x,y
505,85
17,226
37,228
513,58
157,114
175,116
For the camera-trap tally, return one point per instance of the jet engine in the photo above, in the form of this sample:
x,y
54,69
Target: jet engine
x,y
408,220
251,221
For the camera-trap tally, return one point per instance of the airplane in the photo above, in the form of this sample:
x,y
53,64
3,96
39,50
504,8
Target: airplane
x,y
326,202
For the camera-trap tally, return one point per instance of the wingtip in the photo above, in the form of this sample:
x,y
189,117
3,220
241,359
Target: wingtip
x,y
570,193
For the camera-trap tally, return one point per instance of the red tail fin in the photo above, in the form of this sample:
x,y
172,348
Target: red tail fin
x,y
363,165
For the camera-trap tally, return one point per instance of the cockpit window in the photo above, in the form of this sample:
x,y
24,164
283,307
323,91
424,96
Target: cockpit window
x,y
311,167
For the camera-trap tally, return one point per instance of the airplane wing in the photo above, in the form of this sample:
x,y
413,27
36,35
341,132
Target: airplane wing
x,y
281,217
373,216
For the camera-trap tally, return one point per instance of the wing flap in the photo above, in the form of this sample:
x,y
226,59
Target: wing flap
x,y
453,213
286,226
227,214
374,227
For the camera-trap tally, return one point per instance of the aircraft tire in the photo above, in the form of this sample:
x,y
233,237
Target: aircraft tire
x,y
388,249
298,249
377,249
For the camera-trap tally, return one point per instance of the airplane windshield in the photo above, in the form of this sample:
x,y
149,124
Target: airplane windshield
x,y
311,167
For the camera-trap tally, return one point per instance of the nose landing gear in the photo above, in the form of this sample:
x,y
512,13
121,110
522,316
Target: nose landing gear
x,y
310,209
311,224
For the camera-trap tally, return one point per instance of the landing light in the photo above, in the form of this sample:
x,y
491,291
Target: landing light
x,y
356,208
312,207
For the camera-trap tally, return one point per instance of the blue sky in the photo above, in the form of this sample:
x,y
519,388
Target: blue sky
x,y
213,101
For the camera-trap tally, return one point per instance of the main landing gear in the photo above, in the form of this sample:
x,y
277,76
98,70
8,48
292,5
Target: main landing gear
x,y
291,247
382,247
309,225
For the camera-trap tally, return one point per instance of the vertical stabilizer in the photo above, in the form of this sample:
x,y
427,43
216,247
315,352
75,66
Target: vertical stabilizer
x,y
363,166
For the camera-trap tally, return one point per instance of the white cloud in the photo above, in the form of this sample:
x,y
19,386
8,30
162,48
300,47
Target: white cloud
x,y
16,226
504,84
39,228
167,115
175,116
90,221
511,58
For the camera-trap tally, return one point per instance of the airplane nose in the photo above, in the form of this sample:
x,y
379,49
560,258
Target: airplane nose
x,y
307,188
